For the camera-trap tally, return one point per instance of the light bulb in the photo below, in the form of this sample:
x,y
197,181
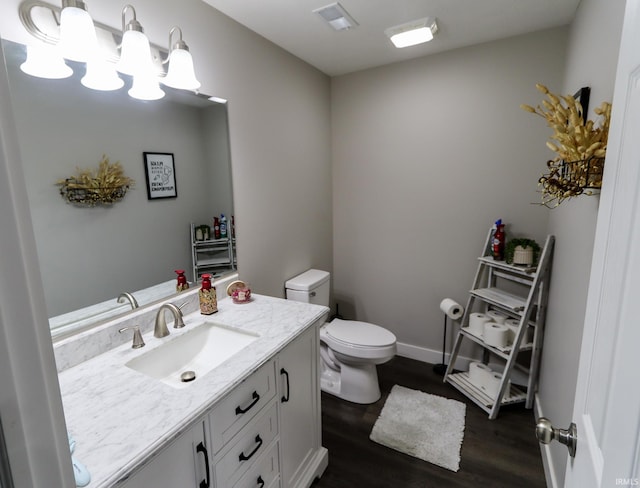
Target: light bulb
x,y
180,73
135,57
44,61
77,34
101,75
145,87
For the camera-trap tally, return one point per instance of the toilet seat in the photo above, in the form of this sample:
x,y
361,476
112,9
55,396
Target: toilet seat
x,y
358,339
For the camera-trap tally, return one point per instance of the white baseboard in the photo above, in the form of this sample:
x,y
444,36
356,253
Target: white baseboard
x,y
431,356
545,451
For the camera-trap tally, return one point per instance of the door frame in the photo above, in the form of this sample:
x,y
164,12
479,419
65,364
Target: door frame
x,y
30,400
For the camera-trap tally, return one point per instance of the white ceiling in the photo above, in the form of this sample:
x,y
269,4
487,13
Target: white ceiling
x,y
292,25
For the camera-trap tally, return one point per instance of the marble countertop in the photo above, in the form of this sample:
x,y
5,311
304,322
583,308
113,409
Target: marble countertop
x,y
119,417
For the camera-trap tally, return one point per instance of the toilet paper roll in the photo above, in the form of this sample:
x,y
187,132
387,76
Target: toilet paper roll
x,y
496,316
476,323
479,374
513,325
496,335
493,385
451,308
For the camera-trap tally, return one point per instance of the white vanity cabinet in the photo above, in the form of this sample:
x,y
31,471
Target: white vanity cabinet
x,y
265,433
302,456
184,463
277,441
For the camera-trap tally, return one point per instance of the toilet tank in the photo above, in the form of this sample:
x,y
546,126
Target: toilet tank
x,y
312,286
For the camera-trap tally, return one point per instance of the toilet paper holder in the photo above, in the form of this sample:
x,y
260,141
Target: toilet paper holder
x,y
454,311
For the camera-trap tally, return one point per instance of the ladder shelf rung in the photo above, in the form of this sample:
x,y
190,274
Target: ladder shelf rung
x,y
521,270
464,384
526,281
501,298
503,352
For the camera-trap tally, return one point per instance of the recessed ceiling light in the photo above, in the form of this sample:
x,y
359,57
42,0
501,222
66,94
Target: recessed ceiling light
x,y
336,16
412,33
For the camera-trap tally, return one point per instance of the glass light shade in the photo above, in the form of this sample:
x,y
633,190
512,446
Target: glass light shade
x,y
135,54
101,75
412,37
77,34
146,87
44,61
180,73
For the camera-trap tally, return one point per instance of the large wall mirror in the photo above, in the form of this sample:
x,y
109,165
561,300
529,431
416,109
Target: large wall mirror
x,y
90,255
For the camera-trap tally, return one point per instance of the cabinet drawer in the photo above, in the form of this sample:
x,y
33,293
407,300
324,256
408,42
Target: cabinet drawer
x,y
264,472
249,446
241,405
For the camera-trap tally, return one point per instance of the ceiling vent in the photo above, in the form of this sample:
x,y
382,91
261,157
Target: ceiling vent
x,y
336,16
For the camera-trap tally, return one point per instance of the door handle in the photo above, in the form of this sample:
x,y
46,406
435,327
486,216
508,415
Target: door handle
x,y
256,399
285,398
545,432
246,457
201,448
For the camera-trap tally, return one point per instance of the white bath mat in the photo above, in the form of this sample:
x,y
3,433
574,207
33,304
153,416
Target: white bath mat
x,y
425,426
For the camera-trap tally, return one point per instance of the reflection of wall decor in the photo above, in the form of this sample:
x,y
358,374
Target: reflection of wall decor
x,y
580,145
89,188
160,171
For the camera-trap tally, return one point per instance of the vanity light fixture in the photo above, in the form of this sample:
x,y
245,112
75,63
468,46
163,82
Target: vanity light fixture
x,y
146,87
180,73
412,33
77,33
101,75
69,32
135,59
135,52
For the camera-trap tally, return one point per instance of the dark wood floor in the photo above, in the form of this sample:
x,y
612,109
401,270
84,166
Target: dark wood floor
x,y
495,453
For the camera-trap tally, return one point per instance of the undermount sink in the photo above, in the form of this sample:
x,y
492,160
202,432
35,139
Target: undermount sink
x,y
184,359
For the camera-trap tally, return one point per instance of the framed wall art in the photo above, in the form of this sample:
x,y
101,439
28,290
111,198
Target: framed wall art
x,y
160,171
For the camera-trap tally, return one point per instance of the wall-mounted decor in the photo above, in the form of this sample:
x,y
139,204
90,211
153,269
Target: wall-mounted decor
x,y
580,145
159,168
104,186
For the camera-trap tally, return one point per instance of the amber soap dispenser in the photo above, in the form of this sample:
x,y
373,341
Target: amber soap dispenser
x,y
207,294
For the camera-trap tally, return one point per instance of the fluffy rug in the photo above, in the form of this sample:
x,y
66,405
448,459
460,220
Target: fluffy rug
x,y
425,426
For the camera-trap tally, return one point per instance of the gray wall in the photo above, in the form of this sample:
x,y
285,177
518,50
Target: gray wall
x,y
427,154
279,114
591,61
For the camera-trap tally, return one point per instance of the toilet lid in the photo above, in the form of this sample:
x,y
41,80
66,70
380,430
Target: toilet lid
x,y
359,333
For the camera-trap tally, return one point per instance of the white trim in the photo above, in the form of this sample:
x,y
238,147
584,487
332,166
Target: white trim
x,y
550,469
431,355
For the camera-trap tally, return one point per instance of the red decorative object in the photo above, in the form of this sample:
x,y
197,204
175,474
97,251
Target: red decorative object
x,y
182,284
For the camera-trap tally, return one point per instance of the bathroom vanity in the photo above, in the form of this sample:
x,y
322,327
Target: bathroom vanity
x,y
252,421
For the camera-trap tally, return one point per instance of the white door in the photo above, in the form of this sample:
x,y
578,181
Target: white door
x,y
607,403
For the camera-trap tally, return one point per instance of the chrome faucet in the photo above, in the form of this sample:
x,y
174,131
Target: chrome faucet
x,y
128,296
160,329
138,341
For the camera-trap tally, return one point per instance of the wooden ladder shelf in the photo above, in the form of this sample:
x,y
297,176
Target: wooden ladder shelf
x,y
524,299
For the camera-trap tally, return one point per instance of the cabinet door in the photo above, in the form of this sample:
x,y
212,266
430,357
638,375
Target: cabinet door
x,y
299,399
182,464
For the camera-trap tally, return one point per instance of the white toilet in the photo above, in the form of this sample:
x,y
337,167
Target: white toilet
x,y
350,350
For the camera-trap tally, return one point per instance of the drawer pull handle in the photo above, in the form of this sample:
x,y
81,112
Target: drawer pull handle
x,y
285,398
200,448
260,482
246,457
256,399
